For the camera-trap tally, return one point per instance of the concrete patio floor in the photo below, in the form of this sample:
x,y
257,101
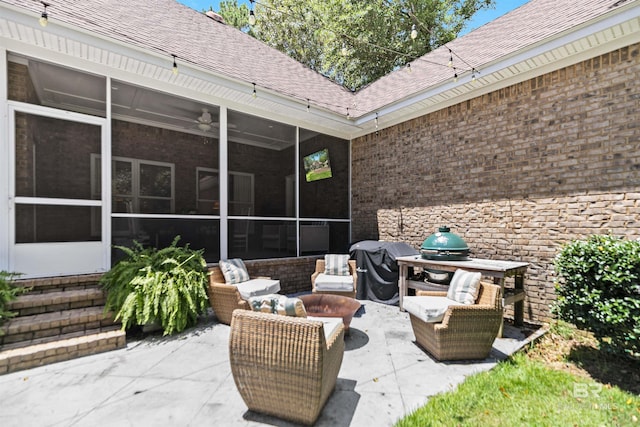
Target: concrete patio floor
x,y
186,380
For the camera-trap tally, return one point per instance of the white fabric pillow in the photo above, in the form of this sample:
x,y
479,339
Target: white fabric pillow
x,y
234,271
336,265
464,286
428,309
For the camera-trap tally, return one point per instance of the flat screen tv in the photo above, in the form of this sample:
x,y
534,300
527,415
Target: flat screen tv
x,y
317,166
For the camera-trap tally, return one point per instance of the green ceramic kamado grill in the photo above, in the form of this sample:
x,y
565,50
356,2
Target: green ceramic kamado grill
x,y
443,245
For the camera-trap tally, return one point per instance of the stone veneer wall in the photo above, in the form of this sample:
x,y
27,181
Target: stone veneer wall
x,y
516,172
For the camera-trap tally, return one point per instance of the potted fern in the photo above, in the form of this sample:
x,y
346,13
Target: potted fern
x,y
166,286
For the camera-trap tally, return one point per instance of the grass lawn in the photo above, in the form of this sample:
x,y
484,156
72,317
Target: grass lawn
x,y
563,380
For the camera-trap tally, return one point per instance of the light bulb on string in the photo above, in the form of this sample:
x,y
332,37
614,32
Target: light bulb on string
x,y
450,63
408,67
344,51
174,70
254,94
376,124
252,16
473,74
414,32
308,106
44,18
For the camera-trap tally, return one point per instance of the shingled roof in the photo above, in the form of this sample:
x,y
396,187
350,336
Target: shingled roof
x,y
165,27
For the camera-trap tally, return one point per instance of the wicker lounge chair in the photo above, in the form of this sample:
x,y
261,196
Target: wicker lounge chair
x,y
320,266
466,331
284,366
225,298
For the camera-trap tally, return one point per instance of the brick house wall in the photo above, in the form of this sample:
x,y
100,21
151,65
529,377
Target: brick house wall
x,y
516,172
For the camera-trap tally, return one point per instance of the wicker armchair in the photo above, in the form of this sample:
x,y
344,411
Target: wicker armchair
x,y
466,331
284,366
225,298
320,265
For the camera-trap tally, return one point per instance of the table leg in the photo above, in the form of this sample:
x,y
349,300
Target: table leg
x,y
402,282
500,282
518,306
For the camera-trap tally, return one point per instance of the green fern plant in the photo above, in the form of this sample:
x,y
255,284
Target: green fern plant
x,y
167,286
8,293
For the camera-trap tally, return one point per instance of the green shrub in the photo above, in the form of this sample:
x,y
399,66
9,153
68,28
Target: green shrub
x,y
8,293
598,288
166,286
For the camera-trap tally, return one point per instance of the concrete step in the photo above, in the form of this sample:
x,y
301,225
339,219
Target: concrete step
x,y
60,350
30,304
28,330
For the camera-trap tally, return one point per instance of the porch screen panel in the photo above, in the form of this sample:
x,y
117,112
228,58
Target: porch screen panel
x,y
53,160
53,157
323,176
54,223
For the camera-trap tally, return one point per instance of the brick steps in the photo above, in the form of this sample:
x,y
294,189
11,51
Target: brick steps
x,y
29,329
58,319
31,304
65,349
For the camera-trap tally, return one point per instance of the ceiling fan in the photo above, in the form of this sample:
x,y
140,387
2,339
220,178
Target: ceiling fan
x,y
205,122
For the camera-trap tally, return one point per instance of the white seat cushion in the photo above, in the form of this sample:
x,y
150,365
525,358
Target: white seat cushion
x,y
255,287
329,324
428,309
328,282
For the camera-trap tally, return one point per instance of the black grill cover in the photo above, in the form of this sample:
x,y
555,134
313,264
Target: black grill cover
x,y
378,269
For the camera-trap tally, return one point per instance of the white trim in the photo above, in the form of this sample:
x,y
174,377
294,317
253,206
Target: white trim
x,y
223,164
106,180
5,138
52,201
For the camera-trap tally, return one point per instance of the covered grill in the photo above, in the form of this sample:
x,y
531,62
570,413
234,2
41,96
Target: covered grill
x,y
443,246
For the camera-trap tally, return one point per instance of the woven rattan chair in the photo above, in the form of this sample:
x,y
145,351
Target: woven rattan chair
x,y
225,298
467,331
284,366
320,269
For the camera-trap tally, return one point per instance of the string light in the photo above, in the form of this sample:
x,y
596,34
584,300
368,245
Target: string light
x,y
174,70
308,106
254,94
450,64
455,77
408,67
473,74
252,16
376,123
348,116
414,32
44,18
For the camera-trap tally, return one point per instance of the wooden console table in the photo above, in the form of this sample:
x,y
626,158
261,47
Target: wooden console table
x,y
499,270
